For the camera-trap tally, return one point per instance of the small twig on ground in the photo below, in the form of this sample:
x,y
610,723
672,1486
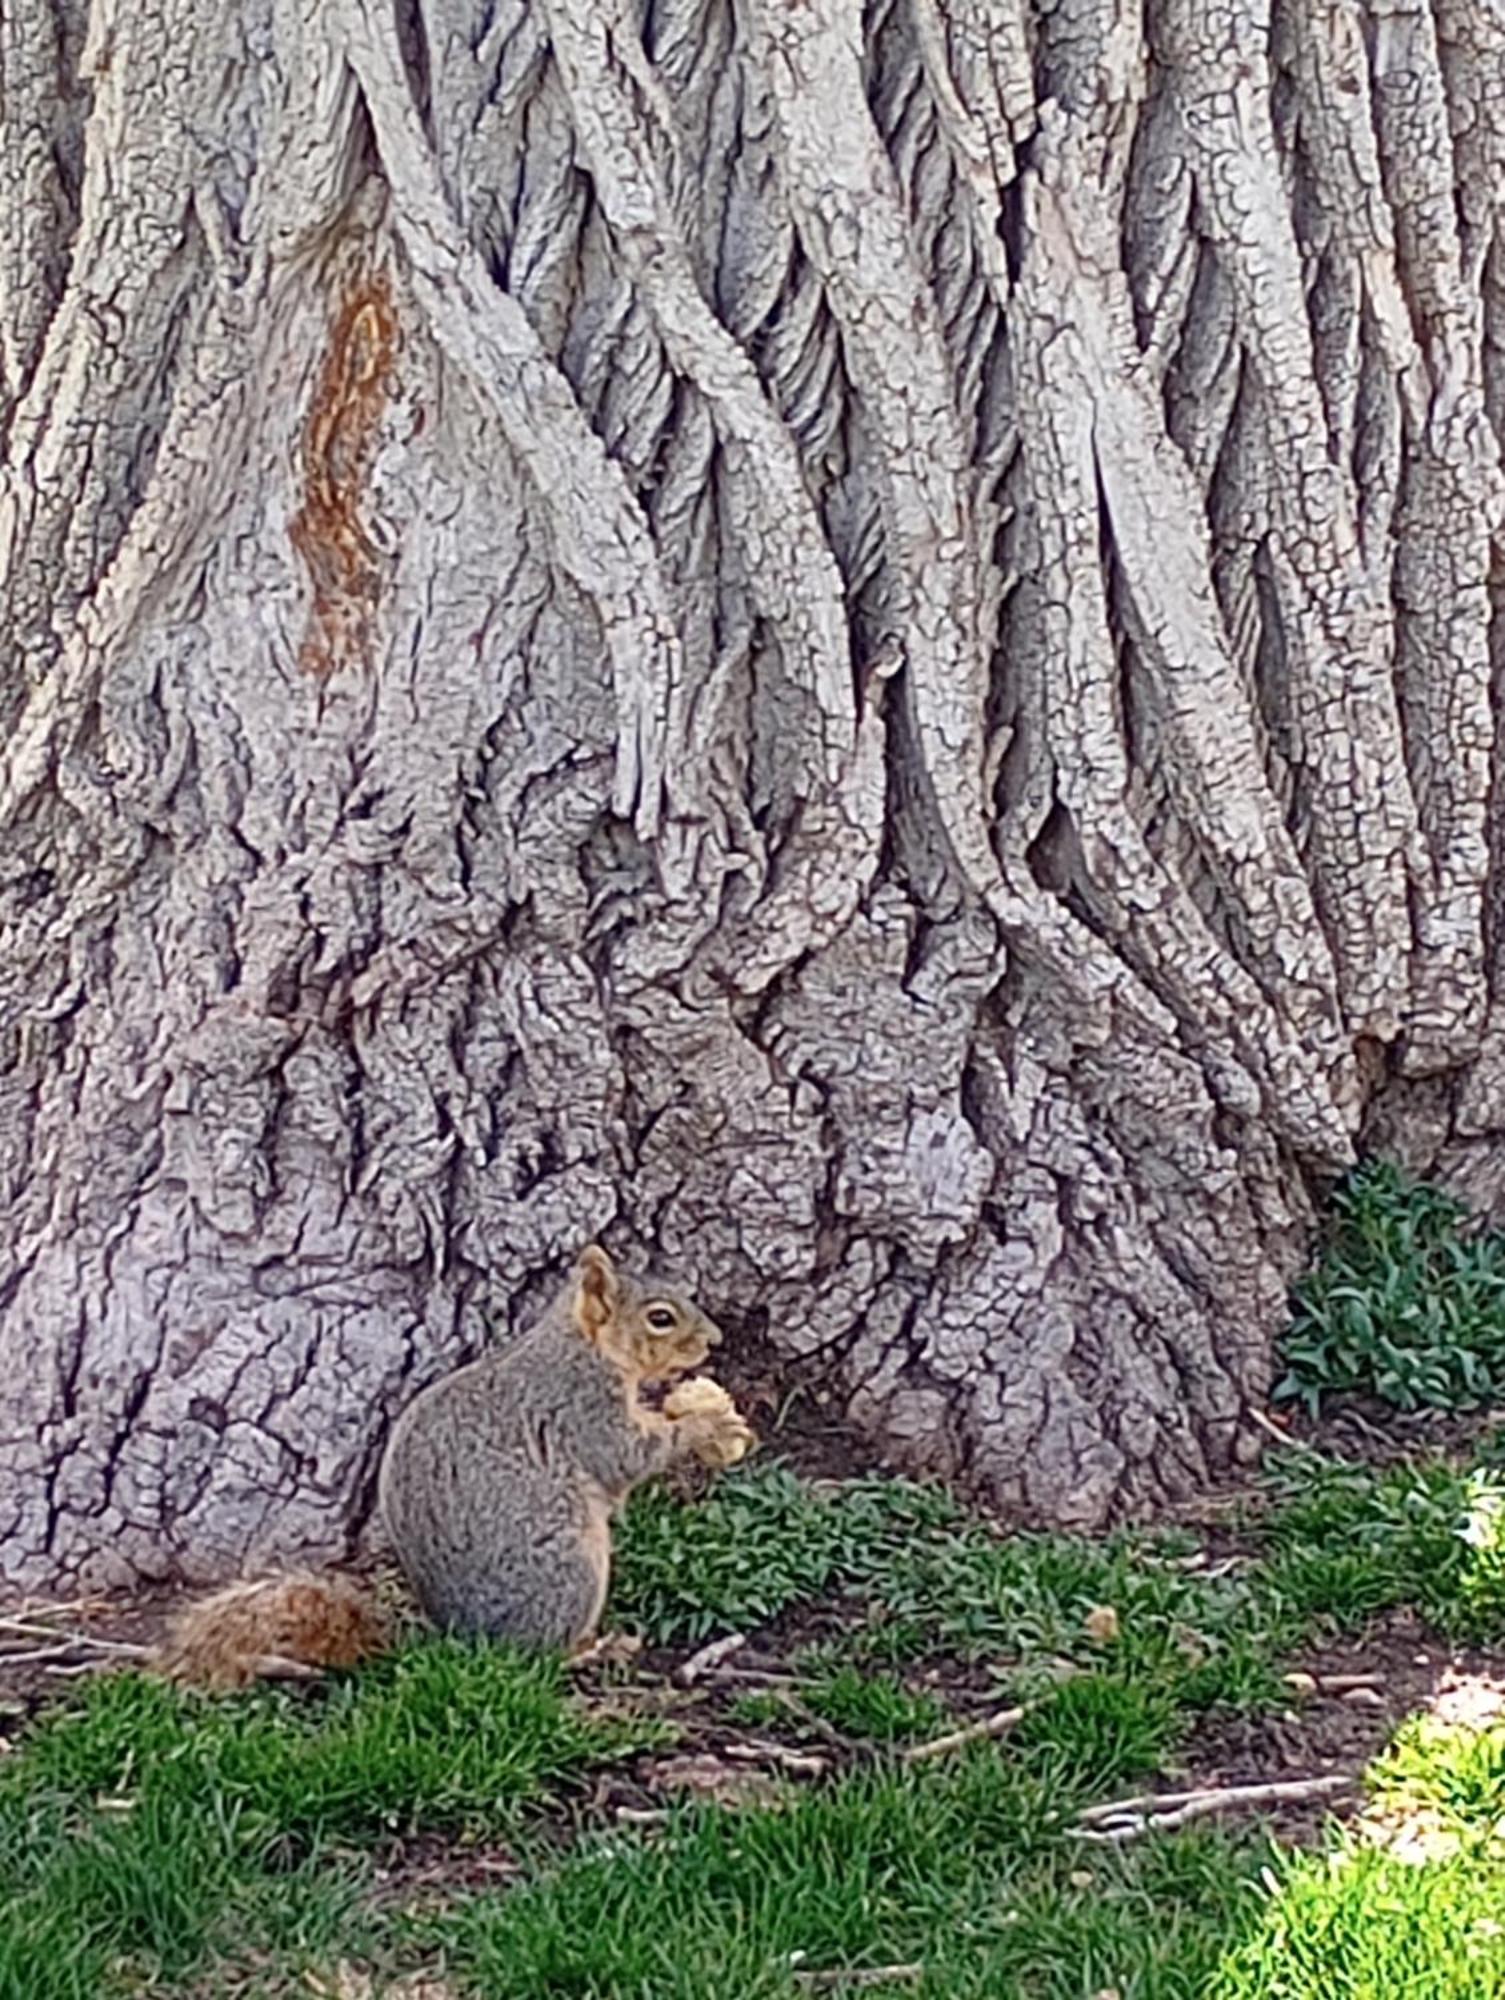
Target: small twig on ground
x,y
709,1658
643,1815
59,1607
1159,1812
33,1628
1346,1683
33,1656
817,1724
975,1732
803,1763
1351,1419
1282,1436
758,1676
860,1975
611,1649
1200,1563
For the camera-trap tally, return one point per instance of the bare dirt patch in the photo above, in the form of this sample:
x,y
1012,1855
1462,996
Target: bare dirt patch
x,y
1347,1700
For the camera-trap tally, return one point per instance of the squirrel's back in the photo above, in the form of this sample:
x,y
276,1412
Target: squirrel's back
x,y
476,1492
546,1383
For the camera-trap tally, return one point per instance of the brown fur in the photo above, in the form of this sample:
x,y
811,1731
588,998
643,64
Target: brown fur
x,y
276,1627
611,1314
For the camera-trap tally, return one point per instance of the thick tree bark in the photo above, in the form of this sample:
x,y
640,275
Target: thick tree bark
x,y
857,647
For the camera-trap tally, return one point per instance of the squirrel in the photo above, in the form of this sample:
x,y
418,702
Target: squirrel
x,y
500,1481
498,1487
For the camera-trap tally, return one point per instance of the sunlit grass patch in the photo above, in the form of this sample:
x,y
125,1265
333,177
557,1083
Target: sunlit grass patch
x,y
1408,1901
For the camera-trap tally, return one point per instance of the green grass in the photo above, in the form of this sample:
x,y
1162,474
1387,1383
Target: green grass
x,y
1363,1924
901,1574
1345,1542
878,1708
963,1871
863,1707
1454,1775
1407,1302
908,1575
146,1830
155,1843
1416,1911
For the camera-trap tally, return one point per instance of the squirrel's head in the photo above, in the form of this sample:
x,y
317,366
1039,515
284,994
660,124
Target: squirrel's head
x,y
646,1329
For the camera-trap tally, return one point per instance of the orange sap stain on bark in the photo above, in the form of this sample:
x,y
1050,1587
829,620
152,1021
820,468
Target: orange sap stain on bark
x,y
345,567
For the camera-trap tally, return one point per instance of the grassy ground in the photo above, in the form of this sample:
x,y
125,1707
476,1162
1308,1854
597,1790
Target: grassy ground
x,y
461,1820
480,1820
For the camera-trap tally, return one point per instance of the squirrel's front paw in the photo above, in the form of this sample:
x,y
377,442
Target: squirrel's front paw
x,y
728,1441
718,1433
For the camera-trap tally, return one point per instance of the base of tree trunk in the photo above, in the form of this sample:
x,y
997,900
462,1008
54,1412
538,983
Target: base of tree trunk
x,y
858,646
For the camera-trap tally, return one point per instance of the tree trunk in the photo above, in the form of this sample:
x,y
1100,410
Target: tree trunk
x,y
852,646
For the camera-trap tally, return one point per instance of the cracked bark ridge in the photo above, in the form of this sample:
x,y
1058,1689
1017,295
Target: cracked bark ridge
x,y
854,644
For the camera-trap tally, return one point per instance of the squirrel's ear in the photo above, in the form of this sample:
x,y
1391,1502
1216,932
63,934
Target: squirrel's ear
x,y
595,1291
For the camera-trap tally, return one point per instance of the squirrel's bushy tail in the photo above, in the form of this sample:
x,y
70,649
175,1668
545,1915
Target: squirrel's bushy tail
x,y
288,1627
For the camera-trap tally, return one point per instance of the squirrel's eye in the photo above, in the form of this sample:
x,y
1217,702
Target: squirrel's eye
x,y
663,1319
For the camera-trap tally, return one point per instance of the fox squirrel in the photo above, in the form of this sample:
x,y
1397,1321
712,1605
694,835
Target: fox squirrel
x,y
498,1487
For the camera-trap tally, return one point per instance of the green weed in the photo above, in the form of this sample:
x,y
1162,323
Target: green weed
x,y
1407,1302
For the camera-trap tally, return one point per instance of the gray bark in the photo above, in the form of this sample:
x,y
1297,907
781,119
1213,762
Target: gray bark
x,y
853,646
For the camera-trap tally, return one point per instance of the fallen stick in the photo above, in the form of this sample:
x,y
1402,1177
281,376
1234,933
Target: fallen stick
x,y
803,1763
817,1724
1281,1436
610,1649
30,1628
709,1658
1116,1808
958,1739
31,1656
1159,1812
759,1676
860,1975
60,1607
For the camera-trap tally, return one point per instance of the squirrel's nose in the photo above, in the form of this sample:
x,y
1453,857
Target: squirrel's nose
x,y
713,1334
